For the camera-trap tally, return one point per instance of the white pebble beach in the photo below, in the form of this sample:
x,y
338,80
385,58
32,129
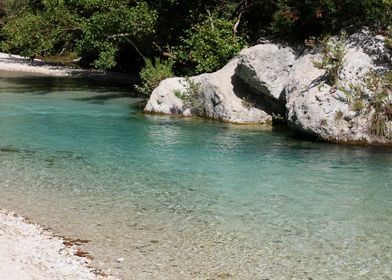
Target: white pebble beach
x,y
27,251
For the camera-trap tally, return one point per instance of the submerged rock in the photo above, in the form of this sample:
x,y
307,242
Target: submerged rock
x,y
270,80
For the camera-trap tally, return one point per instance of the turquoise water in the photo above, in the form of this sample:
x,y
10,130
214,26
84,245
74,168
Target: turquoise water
x,y
184,198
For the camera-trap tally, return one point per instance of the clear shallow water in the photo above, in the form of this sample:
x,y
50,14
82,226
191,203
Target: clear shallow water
x,y
190,199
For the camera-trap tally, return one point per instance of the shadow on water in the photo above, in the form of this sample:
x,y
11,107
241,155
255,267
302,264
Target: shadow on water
x,y
104,89
104,97
296,141
7,150
42,85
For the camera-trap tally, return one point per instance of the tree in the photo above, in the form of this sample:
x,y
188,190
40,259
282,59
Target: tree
x,y
106,33
97,29
43,33
208,45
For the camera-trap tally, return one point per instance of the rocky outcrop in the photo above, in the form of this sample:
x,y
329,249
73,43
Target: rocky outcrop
x,y
331,113
271,80
219,96
266,68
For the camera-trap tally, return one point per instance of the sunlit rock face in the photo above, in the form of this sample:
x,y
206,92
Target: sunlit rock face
x,y
330,113
275,80
219,96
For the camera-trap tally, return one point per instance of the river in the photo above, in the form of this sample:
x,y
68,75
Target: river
x,y
162,197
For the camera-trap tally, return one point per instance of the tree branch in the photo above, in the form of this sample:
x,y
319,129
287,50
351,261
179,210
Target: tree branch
x,y
235,27
126,37
167,54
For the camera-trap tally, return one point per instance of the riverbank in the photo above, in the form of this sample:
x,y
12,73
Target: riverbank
x,y
22,65
17,63
27,251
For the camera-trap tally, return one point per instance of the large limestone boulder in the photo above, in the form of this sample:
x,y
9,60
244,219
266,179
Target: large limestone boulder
x,y
164,101
267,68
330,114
219,96
269,80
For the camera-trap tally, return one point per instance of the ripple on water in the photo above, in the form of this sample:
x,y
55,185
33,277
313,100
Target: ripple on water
x,y
193,199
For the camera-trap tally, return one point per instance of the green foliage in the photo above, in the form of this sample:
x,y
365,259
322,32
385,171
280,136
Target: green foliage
x,y
374,95
12,7
339,115
152,74
378,125
381,85
178,16
333,53
45,33
285,18
309,18
106,57
358,105
210,44
97,29
89,7
388,37
192,97
202,34
107,32
355,96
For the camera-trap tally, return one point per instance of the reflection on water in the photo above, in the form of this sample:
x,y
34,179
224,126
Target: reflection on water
x,y
191,199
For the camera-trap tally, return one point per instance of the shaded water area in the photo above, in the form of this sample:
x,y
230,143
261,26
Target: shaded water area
x,y
190,199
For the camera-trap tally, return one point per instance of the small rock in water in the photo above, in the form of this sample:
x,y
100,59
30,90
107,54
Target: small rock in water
x,y
120,260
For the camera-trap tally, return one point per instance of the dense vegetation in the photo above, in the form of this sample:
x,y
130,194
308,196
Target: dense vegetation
x,y
196,36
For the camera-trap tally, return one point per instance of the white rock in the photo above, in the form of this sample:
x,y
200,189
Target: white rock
x,y
266,68
277,82
163,99
28,252
315,109
219,95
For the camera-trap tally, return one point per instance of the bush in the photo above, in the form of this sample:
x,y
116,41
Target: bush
x,y
333,52
192,97
152,74
388,37
373,95
45,33
106,33
210,44
312,18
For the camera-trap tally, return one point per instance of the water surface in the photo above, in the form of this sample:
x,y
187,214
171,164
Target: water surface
x,y
190,199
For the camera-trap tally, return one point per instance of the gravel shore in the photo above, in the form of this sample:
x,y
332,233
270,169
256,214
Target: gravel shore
x,y
16,63
28,252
